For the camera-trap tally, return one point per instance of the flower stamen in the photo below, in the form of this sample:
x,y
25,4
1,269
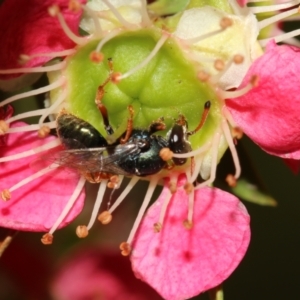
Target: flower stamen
x,y
82,231
270,8
33,151
119,16
214,161
105,217
149,193
47,239
232,148
56,67
68,206
24,58
97,204
3,127
54,11
158,226
97,26
130,185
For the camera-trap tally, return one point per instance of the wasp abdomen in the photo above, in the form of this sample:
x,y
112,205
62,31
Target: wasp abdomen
x,y
75,133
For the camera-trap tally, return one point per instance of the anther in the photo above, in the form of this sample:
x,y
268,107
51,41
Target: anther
x,y
187,224
188,187
219,64
254,80
82,231
203,76
47,239
166,154
3,127
105,217
96,57
113,181
237,132
116,77
225,22
172,187
6,195
44,132
238,59
157,227
53,10
125,248
231,180
23,59
74,5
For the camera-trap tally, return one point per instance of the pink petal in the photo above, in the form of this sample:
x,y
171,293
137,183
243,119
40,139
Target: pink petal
x,y
242,3
269,113
29,29
37,205
181,263
95,273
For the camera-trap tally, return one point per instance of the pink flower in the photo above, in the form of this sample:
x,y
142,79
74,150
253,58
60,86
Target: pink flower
x,y
96,273
30,30
269,112
181,263
178,261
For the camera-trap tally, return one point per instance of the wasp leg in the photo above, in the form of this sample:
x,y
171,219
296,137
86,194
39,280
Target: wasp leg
x,y
129,125
100,94
96,177
157,126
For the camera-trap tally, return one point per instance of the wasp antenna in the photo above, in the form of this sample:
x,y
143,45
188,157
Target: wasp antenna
x,y
203,118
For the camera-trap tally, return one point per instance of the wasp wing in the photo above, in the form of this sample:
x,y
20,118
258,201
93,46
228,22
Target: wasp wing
x,y
92,160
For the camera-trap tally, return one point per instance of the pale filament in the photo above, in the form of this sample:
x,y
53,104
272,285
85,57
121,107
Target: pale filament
x,y
196,172
270,8
200,38
68,32
38,174
119,16
34,127
164,207
56,67
52,108
98,30
107,37
25,115
280,38
97,204
232,148
236,93
214,161
274,19
69,205
145,17
41,90
196,152
191,206
33,151
147,59
50,54
128,188
149,193
226,113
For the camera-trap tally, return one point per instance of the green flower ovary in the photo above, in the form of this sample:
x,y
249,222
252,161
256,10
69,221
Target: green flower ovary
x,y
166,87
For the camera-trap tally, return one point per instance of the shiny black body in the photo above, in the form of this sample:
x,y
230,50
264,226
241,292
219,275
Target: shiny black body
x,y
75,133
148,160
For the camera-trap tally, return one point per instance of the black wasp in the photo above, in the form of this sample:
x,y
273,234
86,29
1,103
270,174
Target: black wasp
x,y
135,152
